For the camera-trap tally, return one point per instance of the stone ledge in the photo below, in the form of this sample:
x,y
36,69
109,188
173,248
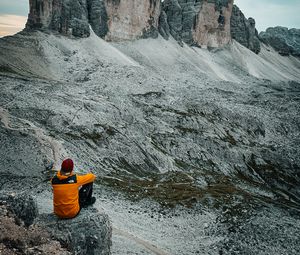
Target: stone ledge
x,y
89,233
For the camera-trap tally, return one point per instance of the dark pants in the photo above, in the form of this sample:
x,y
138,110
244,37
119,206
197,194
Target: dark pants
x,y
85,195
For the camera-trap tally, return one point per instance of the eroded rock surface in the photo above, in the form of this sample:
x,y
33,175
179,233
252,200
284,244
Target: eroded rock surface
x,y
22,205
23,228
201,23
243,30
89,233
285,41
68,17
110,19
132,19
17,233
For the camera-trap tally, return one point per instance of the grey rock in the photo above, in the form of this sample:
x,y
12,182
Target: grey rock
x,y
164,28
22,205
174,17
68,17
285,41
89,233
74,17
243,30
98,17
189,20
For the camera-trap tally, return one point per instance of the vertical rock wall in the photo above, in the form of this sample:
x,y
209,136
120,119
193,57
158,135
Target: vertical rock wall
x,y
199,22
110,19
131,19
97,16
68,17
243,30
204,23
212,26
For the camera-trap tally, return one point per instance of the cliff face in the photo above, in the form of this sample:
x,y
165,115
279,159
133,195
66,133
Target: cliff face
x,y
132,19
212,26
243,30
68,17
285,41
110,19
201,23
205,23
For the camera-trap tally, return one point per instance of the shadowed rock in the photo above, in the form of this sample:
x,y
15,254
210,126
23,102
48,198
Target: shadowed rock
x,y
68,17
201,23
243,30
285,41
89,233
112,20
22,205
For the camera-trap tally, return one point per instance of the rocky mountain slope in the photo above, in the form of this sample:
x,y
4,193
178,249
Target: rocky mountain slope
x,y
196,150
285,41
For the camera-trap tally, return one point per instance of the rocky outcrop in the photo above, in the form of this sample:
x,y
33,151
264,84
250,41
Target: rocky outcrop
x,y
89,233
202,23
22,205
132,19
97,16
15,238
243,30
110,19
68,17
163,26
285,41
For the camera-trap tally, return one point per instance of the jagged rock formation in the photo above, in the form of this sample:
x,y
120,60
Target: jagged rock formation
x,y
285,41
68,17
205,23
110,19
201,23
89,233
15,238
163,27
97,16
22,205
243,30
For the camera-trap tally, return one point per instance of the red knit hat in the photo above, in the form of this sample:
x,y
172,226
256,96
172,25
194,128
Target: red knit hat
x,y
67,166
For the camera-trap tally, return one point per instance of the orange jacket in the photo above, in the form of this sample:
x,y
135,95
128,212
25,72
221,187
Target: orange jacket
x,y
66,193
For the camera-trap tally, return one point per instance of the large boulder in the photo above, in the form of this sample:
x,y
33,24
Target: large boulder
x,y
17,238
243,30
285,41
90,233
22,205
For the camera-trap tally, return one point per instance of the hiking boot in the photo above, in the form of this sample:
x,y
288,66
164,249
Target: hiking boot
x,y
90,201
93,200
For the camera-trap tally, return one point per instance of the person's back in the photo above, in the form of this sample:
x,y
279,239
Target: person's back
x,y
71,192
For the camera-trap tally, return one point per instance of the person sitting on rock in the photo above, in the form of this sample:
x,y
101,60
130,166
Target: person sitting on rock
x,y
71,192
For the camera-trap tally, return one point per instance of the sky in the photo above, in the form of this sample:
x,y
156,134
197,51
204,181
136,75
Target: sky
x,y
267,13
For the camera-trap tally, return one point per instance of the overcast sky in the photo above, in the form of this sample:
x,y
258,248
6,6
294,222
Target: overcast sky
x,y
267,13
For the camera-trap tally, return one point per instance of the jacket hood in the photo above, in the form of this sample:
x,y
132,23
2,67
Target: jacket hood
x,y
62,176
